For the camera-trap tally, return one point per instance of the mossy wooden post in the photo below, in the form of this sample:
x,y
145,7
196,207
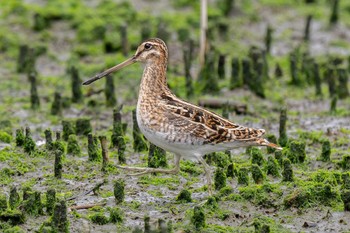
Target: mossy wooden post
x,y
34,97
105,158
20,138
93,148
14,199
257,174
29,144
272,167
257,156
257,85
188,58
48,139
317,79
56,107
198,218
345,164
58,164
294,70
268,39
77,94
221,66
124,39
345,196
209,76
68,129
332,78
278,71
297,149
73,145
343,77
287,172
219,178
335,12
40,22
326,151
243,177
50,201
3,202
246,71
32,203
236,78
58,136
121,150
119,192
22,58
111,100
279,157
83,126
59,218
283,139
231,170
307,28
333,107
118,130
156,157
139,141
184,196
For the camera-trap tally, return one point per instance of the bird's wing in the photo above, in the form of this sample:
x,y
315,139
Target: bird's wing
x,y
205,125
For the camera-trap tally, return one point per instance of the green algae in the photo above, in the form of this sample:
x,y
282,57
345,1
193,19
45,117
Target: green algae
x,y
184,196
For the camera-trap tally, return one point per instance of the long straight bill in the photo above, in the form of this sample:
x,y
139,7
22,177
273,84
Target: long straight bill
x,y
110,70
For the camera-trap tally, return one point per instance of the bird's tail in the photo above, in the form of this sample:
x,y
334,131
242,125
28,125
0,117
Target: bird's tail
x,y
264,142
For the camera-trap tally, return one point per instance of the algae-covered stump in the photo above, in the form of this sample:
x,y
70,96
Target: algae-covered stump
x,y
326,151
156,157
184,196
83,126
283,139
257,174
29,144
219,178
20,137
58,164
93,148
287,172
50,200
67,129
77,94
48,139
56,107
198,217
243,176
59,217
73,145
119,192
14,199
121,149
139,141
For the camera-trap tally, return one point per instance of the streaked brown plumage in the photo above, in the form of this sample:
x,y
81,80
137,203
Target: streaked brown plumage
x,y
176,125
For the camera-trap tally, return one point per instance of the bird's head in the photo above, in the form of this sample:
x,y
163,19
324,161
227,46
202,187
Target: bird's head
x,y
148,52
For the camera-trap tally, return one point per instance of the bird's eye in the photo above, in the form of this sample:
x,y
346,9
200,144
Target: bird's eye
x,y
148,46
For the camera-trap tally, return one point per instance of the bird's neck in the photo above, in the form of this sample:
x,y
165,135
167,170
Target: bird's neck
x,y
153,80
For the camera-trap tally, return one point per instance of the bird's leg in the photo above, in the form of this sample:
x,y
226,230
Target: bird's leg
x,y
146,170
207,174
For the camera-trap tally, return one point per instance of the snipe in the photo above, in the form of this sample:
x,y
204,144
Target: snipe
x,y
175,125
